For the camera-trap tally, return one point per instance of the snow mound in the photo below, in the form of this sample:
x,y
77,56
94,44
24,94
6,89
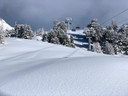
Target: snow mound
x,y
4,25
38,38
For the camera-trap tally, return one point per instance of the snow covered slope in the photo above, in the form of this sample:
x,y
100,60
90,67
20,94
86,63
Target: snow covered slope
x,y
34,68
79,40
4,25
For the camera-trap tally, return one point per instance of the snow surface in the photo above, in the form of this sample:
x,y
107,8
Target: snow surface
x,y
4,25
78,39
35,68
38,38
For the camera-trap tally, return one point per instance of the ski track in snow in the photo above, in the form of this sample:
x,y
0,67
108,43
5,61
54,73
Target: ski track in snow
x,y
26,53
43,69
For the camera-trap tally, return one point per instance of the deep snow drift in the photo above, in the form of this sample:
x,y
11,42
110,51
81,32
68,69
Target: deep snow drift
x,y
35,68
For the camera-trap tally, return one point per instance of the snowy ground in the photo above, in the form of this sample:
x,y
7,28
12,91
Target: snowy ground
x,y
34,68
78,39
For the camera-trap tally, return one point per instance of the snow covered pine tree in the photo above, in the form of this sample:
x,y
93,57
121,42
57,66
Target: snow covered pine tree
x,y
23,31
58,35
109,48
2,35
110,40
103,39
94,32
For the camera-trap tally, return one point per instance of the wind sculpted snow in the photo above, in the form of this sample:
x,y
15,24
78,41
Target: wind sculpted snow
x,y
33,68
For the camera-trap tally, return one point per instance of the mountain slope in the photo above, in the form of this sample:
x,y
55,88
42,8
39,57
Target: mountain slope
x,y
4,25
31,68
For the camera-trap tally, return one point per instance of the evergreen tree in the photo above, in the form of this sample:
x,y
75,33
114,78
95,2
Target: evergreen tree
x,y
11,33
44,38
111,40
58,35
23,31
97,47
114,25
40,32
109,48
94,33
2,35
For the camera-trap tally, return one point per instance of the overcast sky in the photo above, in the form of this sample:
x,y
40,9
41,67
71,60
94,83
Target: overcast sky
x,y
41,13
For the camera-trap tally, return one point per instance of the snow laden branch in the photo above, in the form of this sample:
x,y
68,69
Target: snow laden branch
x,y
2,35
58,35
110,40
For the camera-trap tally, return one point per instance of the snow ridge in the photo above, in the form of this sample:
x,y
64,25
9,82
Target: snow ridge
x,y
4,25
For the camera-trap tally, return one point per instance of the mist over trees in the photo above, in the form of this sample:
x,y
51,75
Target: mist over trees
x,y
40,32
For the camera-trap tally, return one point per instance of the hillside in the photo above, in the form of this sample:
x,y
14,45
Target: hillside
x,y
35,68
4,25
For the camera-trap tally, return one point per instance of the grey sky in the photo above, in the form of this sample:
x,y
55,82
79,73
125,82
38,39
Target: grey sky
x,y
41,13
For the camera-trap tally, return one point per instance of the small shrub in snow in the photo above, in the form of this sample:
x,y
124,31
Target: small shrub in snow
x,y
44,38
2,36
97,47
11,33
109,48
